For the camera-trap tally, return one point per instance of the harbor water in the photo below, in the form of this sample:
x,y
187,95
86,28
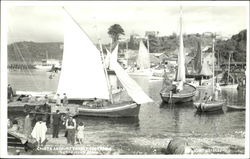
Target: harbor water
x,y
208,133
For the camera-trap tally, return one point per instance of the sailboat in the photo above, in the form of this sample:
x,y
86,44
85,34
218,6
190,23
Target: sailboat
x,y
229,85
188,91
84,78
213,105
142,62
199,77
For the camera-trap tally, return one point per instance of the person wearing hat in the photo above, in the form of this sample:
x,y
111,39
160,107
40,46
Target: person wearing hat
x,y
56,123
58,100
65,100
71,129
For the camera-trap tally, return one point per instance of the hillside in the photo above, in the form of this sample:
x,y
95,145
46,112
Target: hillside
x,y
32,51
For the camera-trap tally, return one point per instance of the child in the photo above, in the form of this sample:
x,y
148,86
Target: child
x,y
80,133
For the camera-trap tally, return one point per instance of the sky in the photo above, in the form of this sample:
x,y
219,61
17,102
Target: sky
x,y
44,22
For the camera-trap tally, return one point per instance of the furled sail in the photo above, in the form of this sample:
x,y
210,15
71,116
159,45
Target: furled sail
x,y
197,59
181,75
143,59
82,74
134,91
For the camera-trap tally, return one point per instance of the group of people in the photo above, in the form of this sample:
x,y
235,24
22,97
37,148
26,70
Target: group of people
x,y
73,131
64,101
215,97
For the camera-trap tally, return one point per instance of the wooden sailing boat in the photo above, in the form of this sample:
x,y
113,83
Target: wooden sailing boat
x,y
84,77
188,91
143,62
213,105
229,85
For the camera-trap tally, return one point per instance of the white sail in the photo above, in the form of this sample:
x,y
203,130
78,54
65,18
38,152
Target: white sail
x,y
181,75
205,70
82,74
133,89
143,59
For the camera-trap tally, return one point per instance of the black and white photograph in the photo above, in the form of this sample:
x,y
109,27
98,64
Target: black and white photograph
x,y
118,78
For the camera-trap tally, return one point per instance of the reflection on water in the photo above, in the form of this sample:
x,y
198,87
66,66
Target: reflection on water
x,y
156,120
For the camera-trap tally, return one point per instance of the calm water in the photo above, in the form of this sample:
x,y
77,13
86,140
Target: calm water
x,y
157,123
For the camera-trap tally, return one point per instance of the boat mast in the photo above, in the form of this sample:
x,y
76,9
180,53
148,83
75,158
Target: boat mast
x,y
148,43
228,68
105,70
106,73
213,60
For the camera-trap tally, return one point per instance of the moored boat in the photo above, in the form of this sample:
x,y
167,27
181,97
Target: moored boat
x,y
209,106
185,95
186,91
143,62
229,86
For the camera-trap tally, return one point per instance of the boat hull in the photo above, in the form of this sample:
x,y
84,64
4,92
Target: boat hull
x,y
229,86
44,68
126,110
179,97
146,72
209,107
235,108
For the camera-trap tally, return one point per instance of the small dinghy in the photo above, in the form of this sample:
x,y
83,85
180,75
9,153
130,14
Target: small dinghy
x,y
209,106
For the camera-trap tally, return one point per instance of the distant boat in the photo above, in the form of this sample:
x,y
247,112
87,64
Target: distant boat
x,y
188,91
143,62
201,73
229,85
84,77
48,64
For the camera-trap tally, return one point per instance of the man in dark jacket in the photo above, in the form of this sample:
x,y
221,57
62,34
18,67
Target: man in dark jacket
x,y
56,123
10,93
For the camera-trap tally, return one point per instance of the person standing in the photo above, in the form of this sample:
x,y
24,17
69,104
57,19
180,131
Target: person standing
x,y
27,127
10,93
71,128
65,100
58,100
56,123
39,131
80,132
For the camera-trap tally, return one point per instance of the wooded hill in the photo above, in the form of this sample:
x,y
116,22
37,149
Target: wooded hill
x,y
33,51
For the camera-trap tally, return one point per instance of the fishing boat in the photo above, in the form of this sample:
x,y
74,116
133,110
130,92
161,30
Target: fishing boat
x,y
84,77
235,108
142,63
188,91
